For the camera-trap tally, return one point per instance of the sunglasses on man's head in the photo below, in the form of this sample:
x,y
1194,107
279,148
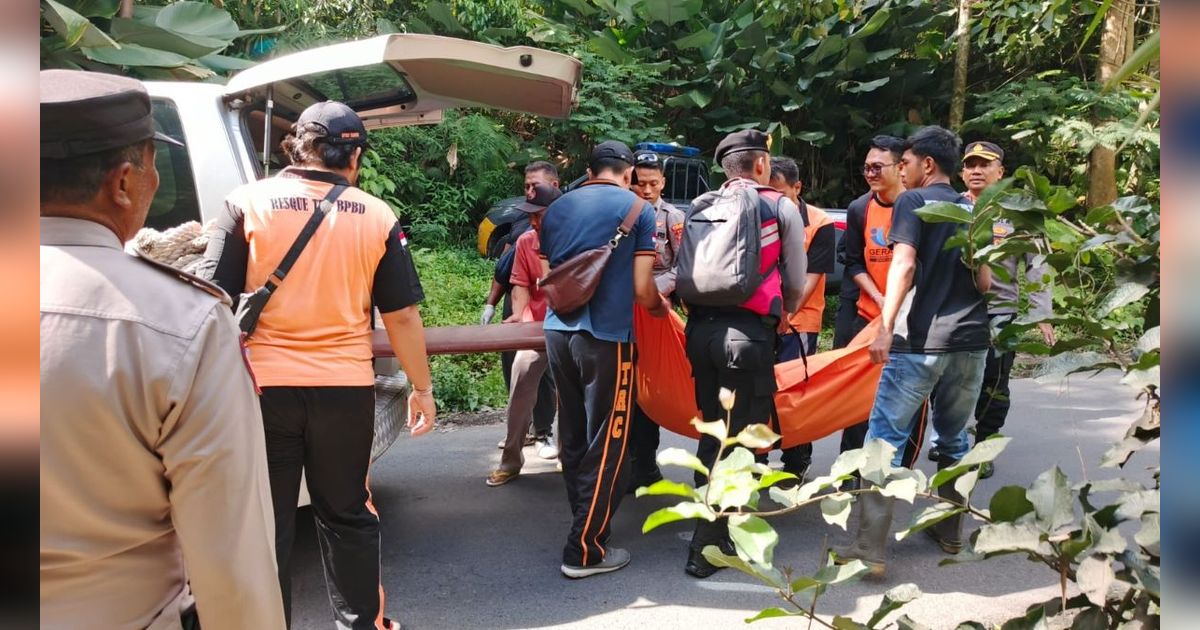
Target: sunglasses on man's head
x,y
646,159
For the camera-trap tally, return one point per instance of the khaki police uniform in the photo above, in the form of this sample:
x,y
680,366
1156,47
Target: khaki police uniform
x,y
155,505
153,463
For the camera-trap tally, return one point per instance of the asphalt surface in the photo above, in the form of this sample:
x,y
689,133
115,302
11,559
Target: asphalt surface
x,y
458,554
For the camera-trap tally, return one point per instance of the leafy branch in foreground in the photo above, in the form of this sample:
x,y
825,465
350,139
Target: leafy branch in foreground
x,y
1118,578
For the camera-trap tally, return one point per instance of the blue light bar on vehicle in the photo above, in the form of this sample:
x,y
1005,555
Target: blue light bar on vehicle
x,y
669,149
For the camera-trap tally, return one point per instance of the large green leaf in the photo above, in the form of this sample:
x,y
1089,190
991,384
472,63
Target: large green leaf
x,y
832,574
224,63
1094,576
75,29
1125,294
944,212
150,35
868,86
878,19
666,487
671,11
197,19
134,55
678,457
753,537
893,599
691,98
1006,537
835,509
771,613
757,436
1051,497
442,14
699,39
680,512
94,8
1009,504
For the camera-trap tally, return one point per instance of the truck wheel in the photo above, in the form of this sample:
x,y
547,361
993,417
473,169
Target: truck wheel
x,y
495,245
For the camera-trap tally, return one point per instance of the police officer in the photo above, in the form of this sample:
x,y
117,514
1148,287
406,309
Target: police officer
x,y
734,347
153,469
648,182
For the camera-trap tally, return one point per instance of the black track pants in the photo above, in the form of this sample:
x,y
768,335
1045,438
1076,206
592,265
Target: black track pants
x,y
326,432
596,393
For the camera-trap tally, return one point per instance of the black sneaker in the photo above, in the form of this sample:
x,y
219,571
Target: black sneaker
x,y
645,479
934,454
614,559
699,567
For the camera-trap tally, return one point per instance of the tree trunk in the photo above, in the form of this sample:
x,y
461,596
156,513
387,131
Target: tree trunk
x,y
126,8
1114,47
962,51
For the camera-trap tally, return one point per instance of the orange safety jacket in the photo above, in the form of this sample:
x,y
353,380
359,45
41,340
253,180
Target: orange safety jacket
x,y
877,256
808,318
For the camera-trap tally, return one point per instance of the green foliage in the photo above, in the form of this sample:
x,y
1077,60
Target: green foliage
x,y
179,41
1051,522
1049,120
456,281
441,179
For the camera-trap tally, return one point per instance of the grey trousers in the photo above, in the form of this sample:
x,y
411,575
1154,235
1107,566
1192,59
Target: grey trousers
x,y
529,366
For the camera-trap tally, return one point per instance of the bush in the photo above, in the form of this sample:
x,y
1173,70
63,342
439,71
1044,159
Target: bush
x,y
440,180
456,281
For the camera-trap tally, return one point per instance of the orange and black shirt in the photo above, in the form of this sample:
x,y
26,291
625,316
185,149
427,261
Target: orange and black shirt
x,y
820,242
868,223
315,330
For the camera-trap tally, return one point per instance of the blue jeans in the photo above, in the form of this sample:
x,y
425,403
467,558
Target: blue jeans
x,y
952,378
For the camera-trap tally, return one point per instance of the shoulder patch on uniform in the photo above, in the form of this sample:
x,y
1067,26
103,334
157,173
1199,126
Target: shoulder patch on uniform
x,y
183,276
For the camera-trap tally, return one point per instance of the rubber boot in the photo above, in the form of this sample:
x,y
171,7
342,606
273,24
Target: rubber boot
x,y
870,541
948,532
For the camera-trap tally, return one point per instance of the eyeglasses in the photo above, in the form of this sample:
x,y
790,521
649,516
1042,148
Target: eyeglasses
x,y
875,169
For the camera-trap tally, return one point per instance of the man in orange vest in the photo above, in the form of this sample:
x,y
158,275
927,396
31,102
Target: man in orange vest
x,y
804,326
868,257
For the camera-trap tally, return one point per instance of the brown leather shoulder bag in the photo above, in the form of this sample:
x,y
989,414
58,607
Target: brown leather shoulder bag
x,y
571,285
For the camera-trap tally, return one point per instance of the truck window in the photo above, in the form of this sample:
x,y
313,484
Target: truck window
x,y
176,201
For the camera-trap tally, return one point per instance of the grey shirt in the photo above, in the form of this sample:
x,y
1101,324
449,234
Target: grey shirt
x,y
1003,299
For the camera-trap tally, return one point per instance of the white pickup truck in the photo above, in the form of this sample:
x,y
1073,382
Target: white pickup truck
x,y
232,132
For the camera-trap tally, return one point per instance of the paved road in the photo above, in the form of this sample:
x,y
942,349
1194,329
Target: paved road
x,y
458,554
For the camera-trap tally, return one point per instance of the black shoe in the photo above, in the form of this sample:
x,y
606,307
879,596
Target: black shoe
x,y
934,453
788,484
644,479
699,567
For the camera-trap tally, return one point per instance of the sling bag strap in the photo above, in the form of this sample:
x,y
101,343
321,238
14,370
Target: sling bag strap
x,y
304,237
627,225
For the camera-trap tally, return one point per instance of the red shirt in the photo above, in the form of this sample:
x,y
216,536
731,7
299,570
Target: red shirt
x,y
527,270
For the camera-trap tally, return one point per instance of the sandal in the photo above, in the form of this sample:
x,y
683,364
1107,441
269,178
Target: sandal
x,y
501,477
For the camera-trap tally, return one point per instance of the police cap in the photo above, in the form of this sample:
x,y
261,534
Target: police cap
x,y
90,112
745,140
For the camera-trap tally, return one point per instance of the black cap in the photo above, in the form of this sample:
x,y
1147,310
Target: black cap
x,y
985,150
612,149
745,140
543,195
339,123
90,112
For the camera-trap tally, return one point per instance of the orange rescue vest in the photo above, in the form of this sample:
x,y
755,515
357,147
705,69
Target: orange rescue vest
x,y
877,256
808,318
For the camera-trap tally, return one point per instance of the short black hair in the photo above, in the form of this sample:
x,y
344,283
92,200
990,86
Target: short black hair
x,y
740,163
938,143
77,179
785,167
306,145
891,144
542,165
615,165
